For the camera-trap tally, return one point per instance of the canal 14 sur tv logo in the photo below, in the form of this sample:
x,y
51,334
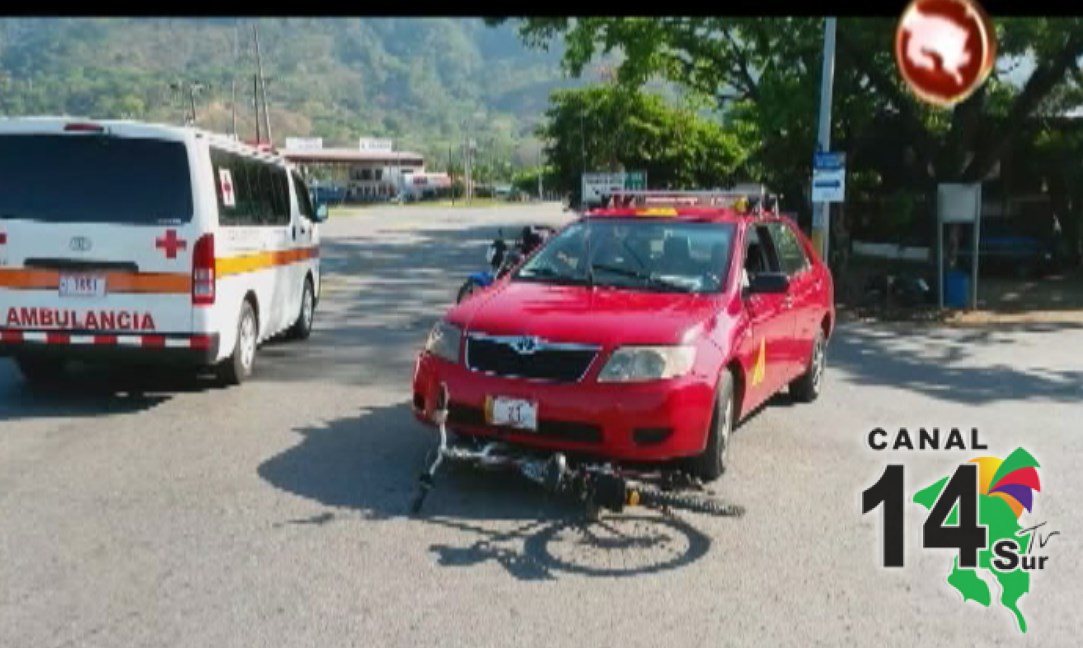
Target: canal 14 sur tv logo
x,y
977,510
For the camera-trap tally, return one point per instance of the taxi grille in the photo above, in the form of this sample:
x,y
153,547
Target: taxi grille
x,y
521,357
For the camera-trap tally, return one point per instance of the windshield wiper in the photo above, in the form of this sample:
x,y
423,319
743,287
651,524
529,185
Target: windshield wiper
x,y
548,273
646,277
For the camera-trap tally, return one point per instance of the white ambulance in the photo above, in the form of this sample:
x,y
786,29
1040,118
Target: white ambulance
x,y
125,240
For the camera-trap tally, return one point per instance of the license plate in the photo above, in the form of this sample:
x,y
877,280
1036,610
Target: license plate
x,y
82,285
512,412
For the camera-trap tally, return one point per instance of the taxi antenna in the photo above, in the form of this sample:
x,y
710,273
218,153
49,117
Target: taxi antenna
x,y
590,262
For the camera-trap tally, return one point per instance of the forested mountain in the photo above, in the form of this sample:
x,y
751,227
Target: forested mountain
x,y
427,83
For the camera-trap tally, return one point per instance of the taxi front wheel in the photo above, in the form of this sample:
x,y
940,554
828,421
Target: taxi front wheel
x,y
710,465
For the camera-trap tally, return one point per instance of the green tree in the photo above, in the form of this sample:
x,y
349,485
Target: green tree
x,y
764,74
614,128
526,180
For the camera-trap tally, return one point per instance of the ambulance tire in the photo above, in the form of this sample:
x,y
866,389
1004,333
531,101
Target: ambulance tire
x,y
302,328
238,367
40,371
712,464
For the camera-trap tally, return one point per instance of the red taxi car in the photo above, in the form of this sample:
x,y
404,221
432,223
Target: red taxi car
x,y
636,335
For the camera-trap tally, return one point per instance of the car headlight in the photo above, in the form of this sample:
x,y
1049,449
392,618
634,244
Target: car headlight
x,y
444,341
639,363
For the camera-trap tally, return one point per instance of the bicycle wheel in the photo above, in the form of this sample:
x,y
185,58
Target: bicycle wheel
x,y
617,545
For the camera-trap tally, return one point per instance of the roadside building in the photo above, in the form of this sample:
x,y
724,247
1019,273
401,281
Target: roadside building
x,y
361,175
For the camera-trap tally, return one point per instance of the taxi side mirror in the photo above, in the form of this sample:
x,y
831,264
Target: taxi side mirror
x,y
768,283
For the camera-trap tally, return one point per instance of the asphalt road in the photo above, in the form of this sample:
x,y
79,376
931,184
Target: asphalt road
x,y
161,510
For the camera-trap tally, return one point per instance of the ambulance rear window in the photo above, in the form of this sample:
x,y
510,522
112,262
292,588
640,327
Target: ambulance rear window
x,y
94,179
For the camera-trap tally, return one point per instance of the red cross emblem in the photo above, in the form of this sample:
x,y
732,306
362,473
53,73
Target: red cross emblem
x,y
225,179
170,243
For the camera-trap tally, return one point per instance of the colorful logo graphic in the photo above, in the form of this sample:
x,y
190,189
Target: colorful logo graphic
x,y
977,511
1005,488
944,49
1014,480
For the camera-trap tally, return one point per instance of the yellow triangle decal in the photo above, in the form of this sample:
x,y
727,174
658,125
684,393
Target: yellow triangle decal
x,y
761,363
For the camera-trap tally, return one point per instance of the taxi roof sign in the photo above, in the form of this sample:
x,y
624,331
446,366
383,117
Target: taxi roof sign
x,y
651,200
657,211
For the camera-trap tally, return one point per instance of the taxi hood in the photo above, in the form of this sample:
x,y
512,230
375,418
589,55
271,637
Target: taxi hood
x,y
595,315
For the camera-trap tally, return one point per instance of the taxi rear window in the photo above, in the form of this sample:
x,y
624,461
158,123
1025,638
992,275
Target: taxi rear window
x,y
94,179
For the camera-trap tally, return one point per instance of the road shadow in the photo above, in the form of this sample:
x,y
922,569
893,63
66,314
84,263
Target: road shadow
x,y
88,390
928,361
370,464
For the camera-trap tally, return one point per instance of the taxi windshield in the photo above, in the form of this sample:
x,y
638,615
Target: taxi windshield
x,y
636,253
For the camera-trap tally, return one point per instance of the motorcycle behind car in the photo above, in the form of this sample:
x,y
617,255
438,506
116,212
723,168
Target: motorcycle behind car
x,y
503,257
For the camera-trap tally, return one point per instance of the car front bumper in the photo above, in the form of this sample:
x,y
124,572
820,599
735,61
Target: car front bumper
x,y
650,421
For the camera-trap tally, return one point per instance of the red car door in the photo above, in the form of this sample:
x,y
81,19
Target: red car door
x,y
764,346
802,296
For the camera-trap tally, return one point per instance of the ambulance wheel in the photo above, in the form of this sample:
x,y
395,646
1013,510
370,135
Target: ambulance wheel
x,y
807,388
710,465
302,328
238,367
40,371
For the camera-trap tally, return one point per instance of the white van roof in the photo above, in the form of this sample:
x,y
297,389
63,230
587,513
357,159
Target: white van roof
x,y
132,128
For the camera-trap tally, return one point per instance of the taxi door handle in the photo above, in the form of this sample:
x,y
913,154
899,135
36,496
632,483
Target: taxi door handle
x,y
787,301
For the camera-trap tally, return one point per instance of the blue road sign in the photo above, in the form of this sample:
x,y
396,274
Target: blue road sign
x,y
828,161
828,177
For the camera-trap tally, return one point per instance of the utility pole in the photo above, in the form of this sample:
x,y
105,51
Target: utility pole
x,y
233,106
468,155
821,212
263,87
451,178
255,102
177,96
583,154
193,88
233,78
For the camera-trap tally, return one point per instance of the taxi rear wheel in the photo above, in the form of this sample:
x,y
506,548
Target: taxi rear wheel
x,y
807,388
238,367
715,458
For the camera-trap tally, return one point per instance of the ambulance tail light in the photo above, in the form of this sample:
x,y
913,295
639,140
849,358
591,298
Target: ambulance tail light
x,y
203,271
